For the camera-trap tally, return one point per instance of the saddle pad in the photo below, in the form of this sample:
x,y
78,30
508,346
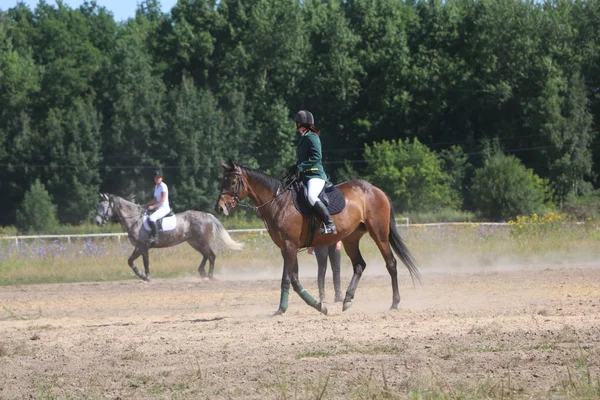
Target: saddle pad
x,y
164,224
331,197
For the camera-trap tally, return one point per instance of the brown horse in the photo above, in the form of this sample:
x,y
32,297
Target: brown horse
x,y
367,209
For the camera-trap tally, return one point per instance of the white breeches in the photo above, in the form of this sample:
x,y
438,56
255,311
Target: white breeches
x,y
315,186
159,213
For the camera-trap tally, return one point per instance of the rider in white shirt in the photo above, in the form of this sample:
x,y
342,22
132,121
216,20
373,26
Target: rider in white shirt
x,y
160,203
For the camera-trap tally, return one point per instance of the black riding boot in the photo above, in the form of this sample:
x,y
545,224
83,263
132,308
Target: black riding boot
x,y
154,233
329,228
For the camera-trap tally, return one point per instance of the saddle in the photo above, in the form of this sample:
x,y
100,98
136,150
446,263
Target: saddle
x,y
168,220
333,199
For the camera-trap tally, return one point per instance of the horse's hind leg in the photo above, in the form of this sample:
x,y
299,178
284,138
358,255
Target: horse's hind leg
x,y
201,267
207,255
136,253
211,260
358,264
380,236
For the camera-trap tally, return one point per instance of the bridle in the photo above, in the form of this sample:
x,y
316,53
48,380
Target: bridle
x,y
239,184
120,216
235,190
105,217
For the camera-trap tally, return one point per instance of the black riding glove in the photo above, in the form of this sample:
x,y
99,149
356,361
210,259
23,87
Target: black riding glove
x,y
291,170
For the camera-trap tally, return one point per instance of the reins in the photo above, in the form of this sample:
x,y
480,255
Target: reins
x,y
124,219
240,184
279,192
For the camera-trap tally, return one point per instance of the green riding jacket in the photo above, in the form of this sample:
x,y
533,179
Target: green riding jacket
x,y
309,156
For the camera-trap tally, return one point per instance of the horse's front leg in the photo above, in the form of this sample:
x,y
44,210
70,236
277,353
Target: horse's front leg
x,y
136,253
290,275
298,288
146,259
285,290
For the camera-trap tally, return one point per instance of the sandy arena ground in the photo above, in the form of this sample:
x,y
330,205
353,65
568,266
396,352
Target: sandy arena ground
x,y
516,332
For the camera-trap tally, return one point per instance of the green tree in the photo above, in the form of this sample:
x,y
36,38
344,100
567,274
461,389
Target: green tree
x,y
565,123
62,43
383,57
133,137
19,85
36,213
411,175
504,188
275,149
73,153
196,142
189,41
456,164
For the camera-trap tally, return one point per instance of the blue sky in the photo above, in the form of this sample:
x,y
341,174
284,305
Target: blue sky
x,y
121,9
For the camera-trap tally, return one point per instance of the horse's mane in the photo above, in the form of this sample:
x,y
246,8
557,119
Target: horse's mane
x,y
270,182
121,201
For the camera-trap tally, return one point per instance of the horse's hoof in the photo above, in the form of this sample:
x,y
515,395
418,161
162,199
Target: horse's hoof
x,y
395,307
347,305
322,307
278,312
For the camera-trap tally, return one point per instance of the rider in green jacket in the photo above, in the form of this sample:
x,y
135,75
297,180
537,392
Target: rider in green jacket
x,y
310,165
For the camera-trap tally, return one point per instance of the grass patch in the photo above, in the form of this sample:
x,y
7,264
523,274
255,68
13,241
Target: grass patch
x,y
314,354
544,347
3,350
580,383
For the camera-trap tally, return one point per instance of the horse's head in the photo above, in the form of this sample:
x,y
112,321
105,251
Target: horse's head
x,y
104,211
232,188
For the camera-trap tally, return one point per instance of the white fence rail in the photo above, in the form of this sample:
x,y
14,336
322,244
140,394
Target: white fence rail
x,y
91,235
405,224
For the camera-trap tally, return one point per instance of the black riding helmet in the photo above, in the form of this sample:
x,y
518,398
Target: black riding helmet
x,y
304,118
158,173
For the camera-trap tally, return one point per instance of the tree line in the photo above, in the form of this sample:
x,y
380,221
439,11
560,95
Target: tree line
x,y
441,103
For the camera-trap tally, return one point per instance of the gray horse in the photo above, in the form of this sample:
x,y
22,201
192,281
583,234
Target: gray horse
x,y
194,227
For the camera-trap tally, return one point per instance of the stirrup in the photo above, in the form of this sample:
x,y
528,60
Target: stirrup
x,y
328,229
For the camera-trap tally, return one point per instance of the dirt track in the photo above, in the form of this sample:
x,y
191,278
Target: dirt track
x,y
496,333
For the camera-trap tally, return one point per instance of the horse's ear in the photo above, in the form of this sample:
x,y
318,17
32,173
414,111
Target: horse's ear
x,y
225,166
233,165
103,196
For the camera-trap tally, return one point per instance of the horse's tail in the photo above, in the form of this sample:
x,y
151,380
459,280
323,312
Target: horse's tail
x,y
224,235
401,249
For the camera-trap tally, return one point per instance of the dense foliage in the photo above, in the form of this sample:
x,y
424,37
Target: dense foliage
x,y
504,188
91,104
37,214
